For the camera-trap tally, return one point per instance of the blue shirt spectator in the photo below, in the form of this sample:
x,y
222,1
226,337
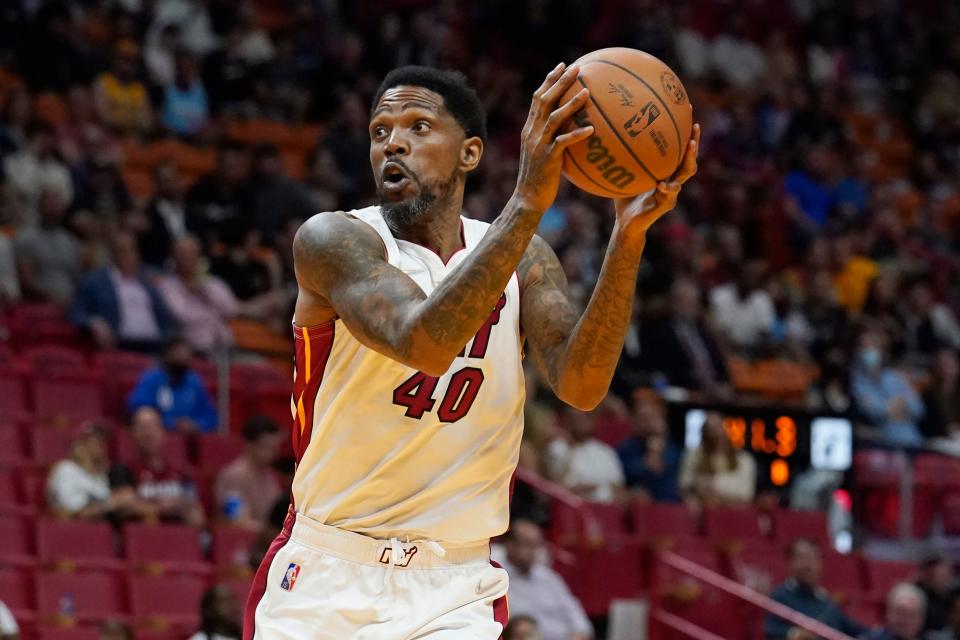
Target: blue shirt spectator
x,y
884,395
185,105
176,392
651,461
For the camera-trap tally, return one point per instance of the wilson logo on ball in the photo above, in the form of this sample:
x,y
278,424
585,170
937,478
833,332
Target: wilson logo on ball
x,y
601,158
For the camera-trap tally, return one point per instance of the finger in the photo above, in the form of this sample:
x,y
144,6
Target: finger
x,y
688,168
573,137
560,86
561,115
549,80
667,188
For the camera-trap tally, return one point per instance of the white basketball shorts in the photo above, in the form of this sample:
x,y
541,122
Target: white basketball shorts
x,y
319,582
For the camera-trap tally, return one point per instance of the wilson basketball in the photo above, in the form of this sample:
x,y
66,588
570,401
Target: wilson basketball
x,y
642,121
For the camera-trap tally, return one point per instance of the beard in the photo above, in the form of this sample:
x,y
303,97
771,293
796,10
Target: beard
x,y
404,214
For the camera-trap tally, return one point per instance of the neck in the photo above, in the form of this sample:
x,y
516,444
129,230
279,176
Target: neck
x,y
438,228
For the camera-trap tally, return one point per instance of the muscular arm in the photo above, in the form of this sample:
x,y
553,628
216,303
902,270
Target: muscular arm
x,y
578,354
340,261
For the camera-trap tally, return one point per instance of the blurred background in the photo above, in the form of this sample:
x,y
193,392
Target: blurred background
x,y
785,419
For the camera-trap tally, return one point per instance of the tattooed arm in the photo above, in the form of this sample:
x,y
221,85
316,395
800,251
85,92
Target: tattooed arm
x,y
578,355
342,272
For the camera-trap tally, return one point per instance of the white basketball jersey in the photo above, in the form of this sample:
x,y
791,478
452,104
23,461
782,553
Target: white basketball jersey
x,y
387,451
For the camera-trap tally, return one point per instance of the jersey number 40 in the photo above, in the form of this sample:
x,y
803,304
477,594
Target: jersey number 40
x,y
416,392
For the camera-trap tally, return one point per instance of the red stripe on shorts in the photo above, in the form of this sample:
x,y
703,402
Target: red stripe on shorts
x,y
501,611
259,586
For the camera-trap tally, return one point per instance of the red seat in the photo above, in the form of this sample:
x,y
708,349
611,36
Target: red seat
x,y
174,600
16,591
33,489
269,399
52,359
10,497
40,324
164,548
174,448
231,549
592,524
663,521
68,633
17,547
13,393
608,572
96,596
883,575
63,398
788,525
696,601
247,375
12,451
121,370
217,451
49,445
760,569
725,524
69,544
842,575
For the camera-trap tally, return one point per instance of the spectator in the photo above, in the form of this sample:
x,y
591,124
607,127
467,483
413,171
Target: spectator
x,y
159,55
78,486
716,474
48,256
683,348
218,199
883,395
951,630
193,21
14,121
274,197
122,100
185,107
9,284
176,391
9,629
247,488
802,592
238,267
906,605
936,578
165,219
165,492
115,630
583,464
743,310
538,591
929,324
201,303
82,138
522,628
220,615
651,461
119,305
35,171
941,400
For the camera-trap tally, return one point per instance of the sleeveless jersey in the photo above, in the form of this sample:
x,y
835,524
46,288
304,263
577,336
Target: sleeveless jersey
x,y
386,451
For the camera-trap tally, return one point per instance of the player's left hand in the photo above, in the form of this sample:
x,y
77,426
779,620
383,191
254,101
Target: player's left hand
x,y
637,214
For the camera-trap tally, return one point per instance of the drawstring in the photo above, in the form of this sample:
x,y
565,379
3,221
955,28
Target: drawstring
x,y
397,555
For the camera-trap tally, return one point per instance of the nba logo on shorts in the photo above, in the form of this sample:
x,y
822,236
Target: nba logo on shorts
x,y
290,577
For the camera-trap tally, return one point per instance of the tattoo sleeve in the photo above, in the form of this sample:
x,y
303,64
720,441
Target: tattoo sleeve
x,y
577,354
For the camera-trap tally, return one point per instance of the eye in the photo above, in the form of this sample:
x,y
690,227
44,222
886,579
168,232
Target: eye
x,y
379,132
422,126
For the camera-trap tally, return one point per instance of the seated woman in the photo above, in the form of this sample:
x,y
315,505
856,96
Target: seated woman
x,y
715,474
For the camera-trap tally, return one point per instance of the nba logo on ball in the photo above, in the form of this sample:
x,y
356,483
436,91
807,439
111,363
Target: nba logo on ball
x,y
290,577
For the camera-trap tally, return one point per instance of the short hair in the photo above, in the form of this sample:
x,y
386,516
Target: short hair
x,y
907,589
459,98
792,547
258,426
516,621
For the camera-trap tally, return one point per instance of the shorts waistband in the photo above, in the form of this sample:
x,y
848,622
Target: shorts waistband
x,y
401,554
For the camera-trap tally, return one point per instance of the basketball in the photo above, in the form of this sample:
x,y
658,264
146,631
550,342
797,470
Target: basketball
x,y
642,120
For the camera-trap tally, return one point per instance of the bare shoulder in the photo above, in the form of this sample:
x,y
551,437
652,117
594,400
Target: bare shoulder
x,y
539,264
332,233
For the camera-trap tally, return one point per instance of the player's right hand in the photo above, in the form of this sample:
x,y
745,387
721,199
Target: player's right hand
x,y
542,143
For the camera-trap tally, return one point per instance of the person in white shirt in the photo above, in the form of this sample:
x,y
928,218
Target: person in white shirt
x,y
219,615
715,474
538,591
743,310
584,465
9,630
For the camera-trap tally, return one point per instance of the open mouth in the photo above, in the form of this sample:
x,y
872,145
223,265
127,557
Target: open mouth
x,y
395,178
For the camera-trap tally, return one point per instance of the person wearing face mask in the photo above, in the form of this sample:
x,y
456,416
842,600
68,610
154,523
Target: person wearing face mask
x,y
176,391
884,395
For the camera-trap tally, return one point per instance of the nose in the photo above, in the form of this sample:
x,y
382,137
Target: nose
x,y
396,145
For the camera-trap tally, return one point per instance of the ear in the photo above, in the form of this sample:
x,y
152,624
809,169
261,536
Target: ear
x,y
470,153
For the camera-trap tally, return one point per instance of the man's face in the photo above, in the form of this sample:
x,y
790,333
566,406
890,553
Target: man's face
x,y
524,545
806,564
905,616
525,630
415,152
264,450
147,431
126,254
649,419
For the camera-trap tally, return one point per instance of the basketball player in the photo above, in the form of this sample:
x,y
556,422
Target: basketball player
x,y
408,393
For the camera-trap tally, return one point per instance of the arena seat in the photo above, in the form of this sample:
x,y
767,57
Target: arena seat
x,y
62,398
52,359
231,549
16,591
120,371
166,600
843,576
96,596
882,575
216,451
16,532
32,323
569,526
732,524
241,587
11,502
12,450
698,602
789,524
49,445
68,545
13,393
164,549
761,568
69,633
662,520
608,572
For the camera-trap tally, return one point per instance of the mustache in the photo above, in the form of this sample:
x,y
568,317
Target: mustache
x,y
403,165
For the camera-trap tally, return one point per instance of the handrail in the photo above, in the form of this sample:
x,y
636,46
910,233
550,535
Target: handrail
x,y
562,494
753,597
684,626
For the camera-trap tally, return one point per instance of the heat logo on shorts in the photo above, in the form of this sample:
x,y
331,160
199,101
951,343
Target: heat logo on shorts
x,y
290,577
